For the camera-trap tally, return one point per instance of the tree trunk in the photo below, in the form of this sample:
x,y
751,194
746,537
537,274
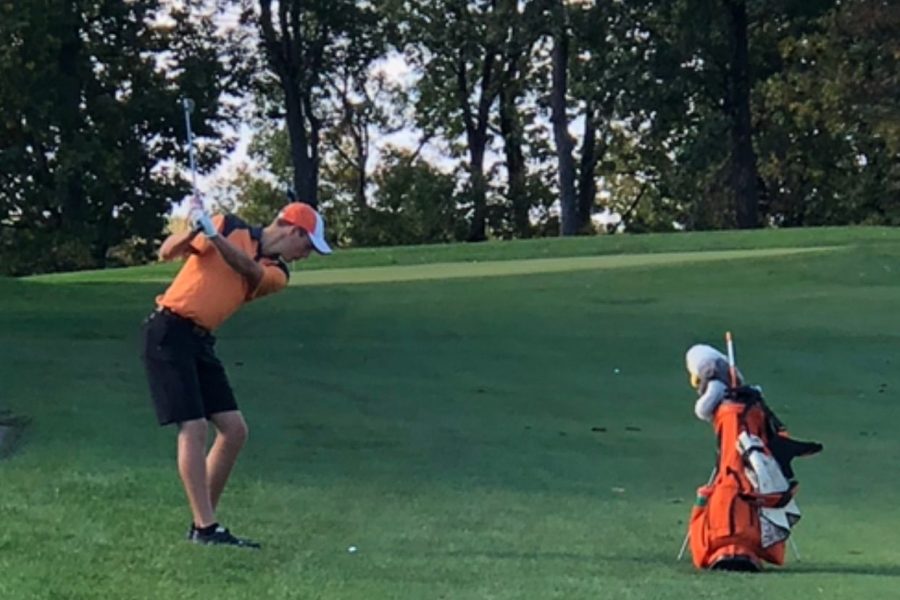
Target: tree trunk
x,y
587,182
476,123
361,182
564,143
361,140
477,229
300,160
744,174
312,173
69,185
519,40
288,66
511,130
101,244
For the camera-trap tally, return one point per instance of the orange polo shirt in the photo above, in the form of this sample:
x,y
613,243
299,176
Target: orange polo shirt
x,y
207,290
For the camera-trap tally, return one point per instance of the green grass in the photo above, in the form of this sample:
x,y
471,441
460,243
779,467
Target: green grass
x,y
444,426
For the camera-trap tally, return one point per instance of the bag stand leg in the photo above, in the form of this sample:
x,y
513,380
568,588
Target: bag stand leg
x,y
793,546
687,535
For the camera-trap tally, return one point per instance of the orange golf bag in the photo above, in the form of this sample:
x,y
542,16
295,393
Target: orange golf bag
x,y
744,516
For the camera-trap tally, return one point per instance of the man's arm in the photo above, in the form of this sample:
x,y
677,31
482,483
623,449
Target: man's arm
x,y
245,266
177,245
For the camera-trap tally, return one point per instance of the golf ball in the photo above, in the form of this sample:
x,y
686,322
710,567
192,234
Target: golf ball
x,y
351,549
616,371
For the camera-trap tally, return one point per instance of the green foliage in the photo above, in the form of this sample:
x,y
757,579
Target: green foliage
x,y
829,140
455,47
414,203
88,114
271,147
313,57
252,198
92,134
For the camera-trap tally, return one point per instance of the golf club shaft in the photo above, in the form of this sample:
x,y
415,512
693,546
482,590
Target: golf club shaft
x,y
732,370
188,105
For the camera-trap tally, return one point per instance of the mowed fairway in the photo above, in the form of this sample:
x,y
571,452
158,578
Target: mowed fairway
x,y
521,433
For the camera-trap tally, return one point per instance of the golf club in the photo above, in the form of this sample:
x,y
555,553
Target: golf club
x,y
188,105
732,371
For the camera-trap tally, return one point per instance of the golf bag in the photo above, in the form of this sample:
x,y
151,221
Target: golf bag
x,y
744,516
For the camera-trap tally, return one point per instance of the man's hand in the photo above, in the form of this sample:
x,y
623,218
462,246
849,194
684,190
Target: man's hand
x,y
200,221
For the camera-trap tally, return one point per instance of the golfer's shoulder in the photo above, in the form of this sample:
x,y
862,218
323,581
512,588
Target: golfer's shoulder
x,y
240,233
231,223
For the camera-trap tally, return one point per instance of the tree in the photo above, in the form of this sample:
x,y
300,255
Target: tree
x,y
607,77
367,107
707,44
830,140
744,174
713,56
524,27
455,45
597,72
311,46
252,198
414,203
558,103
89,110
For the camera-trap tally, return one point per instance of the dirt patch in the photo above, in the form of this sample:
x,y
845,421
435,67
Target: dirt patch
x,y
11,428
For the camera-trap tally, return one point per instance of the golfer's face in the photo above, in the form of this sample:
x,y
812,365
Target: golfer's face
x,y
297,245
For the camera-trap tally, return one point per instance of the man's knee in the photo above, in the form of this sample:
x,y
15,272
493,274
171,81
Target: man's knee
x,y
237,434
191,445
193,431
232,428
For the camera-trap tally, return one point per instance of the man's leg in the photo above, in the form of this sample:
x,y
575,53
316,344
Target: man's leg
x,y
192,464
230,438
169,355
192,468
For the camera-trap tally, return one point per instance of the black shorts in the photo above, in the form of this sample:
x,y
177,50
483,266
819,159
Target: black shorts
x,y
187,381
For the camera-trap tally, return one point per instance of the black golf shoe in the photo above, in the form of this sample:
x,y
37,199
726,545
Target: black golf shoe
x,y
219,537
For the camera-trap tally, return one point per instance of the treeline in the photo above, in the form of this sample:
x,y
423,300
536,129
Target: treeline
x,y
499,118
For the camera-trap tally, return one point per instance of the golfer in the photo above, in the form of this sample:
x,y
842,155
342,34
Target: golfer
x,y
228,264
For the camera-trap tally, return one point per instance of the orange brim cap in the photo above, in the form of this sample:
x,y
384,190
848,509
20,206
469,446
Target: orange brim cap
x,y
303,215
